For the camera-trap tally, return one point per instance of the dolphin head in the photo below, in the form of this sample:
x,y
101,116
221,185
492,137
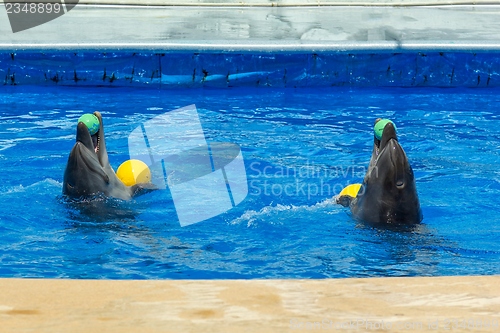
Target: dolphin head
x,y
389,157
88,170
389,192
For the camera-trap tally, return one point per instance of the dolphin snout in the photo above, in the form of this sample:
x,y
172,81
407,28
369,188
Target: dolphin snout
x,y
91,142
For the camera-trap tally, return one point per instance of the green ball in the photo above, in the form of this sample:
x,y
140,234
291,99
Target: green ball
x,y
379,127
91,121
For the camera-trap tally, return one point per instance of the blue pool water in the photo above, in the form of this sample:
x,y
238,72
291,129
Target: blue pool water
x,y
300,147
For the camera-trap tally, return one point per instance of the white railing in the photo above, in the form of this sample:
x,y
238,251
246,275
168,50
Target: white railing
x,y
290,3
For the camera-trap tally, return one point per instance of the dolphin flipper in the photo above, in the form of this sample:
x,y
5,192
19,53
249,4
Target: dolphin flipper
x,y
344,200
142,188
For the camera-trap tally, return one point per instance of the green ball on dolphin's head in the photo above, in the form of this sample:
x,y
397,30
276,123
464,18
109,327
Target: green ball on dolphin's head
x,y
379,127
91,121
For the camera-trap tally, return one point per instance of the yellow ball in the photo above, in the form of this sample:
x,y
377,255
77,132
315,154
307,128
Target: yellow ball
x,y
351,190
132,172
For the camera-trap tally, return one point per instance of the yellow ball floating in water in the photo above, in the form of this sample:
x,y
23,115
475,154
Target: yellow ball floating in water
x,y
132,172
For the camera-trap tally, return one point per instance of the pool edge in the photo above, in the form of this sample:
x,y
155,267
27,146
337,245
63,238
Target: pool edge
x,y
348,305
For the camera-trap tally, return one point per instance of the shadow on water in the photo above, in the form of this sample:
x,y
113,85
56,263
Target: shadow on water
x,y
99,209
412,250
390,250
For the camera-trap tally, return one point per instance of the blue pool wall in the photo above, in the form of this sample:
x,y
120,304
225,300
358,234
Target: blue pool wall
x,y
256,69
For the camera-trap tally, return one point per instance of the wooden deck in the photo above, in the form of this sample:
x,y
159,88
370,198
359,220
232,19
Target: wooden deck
x,y
438,304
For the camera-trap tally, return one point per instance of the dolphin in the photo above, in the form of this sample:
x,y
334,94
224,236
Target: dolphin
x,y
88,172
388,193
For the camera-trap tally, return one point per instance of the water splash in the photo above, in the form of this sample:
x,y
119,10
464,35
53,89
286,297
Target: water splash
x,y
276,214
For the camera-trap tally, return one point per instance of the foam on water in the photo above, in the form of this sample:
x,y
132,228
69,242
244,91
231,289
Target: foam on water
x,y
269,213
